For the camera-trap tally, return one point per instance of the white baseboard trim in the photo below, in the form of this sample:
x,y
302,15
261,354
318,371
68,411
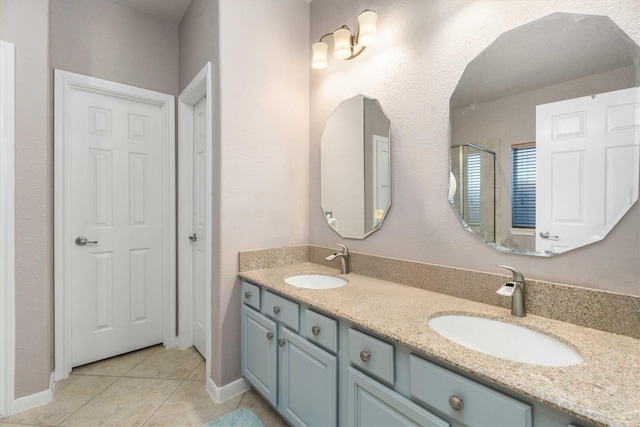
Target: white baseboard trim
x,y
220,394
34,400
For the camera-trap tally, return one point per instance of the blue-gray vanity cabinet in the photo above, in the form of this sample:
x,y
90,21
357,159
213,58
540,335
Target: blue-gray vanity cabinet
x,y
260,352
293,374
308,382
464,400
250,295
371,403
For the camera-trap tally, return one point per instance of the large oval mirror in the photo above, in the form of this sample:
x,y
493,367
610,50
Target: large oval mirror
x,y
355,168
545,135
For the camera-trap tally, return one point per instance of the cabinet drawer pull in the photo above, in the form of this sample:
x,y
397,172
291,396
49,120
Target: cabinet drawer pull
x,y
456,403
247,295
281,342
269,335
315,330
276,310
364,356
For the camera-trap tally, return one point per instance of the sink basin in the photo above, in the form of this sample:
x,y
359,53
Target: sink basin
x,y
505,340
315,281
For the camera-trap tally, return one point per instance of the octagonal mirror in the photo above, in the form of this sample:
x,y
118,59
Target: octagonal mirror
x,y
355,168
545,135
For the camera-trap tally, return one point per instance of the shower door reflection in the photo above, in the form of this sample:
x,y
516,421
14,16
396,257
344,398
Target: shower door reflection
x,y
473,188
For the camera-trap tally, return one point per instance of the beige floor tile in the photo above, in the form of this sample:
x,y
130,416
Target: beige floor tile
x,y
128,402
116,366
167,363
252,401
191,405
199,372
69,396
3,424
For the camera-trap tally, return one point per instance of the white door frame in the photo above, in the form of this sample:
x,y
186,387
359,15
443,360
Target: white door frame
x,y
200,86
64,82
7,249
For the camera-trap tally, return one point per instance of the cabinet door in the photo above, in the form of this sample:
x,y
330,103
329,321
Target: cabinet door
x,y
308,382
259,353
372,404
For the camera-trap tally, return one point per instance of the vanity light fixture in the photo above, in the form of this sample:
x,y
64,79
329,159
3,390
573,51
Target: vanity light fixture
x,y
345,45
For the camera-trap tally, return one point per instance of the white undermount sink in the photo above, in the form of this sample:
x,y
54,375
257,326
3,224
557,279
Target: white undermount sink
x,y
315,281
505,340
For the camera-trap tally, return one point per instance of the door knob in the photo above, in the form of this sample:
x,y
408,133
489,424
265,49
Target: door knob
x,y
81,241
193,237
547,235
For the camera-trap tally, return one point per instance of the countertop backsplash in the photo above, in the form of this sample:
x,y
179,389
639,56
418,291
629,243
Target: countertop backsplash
x,y
602,310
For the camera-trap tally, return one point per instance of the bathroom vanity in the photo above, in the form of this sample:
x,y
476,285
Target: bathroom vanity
x,y
363,354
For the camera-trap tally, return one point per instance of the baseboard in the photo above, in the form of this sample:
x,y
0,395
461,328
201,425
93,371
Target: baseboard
x,y
220,394
34,400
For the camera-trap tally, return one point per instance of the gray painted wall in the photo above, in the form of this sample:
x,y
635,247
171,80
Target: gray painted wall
x,y
422,50
259,50
26,24
99,38
110,41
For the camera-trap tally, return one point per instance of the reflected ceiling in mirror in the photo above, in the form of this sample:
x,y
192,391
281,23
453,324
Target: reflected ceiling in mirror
x,y
545,135
355,168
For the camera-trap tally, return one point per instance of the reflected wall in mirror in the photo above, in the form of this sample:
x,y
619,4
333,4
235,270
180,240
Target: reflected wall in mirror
x,y
545,135
355,168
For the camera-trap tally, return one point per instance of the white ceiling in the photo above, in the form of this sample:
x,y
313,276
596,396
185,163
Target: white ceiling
x,y
169,11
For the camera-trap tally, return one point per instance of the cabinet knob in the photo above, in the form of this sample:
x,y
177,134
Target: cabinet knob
x,y
247,295
456,403
364,356
276,310
281,342
315,330
269,335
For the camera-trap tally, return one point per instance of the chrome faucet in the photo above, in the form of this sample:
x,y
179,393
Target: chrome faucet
x,y
344,257
514,289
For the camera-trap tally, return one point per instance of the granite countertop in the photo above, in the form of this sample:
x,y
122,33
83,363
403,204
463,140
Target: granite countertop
x,y
604,389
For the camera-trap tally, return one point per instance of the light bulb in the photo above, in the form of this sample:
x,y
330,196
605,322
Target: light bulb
x,y
342,43
319,60
367,23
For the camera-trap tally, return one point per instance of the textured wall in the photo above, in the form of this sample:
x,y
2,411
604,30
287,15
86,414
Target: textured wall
x,y
198,40
99,38
422,50
264,125
26,24
110,41
261,141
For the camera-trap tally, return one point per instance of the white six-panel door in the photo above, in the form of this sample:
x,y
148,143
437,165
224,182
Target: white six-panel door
x,y
114,219
587,152
116,200
199,225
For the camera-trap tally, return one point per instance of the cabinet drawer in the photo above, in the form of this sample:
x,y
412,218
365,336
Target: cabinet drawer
x,y
372,356
250,294
373,404
321,329
281,309
481,406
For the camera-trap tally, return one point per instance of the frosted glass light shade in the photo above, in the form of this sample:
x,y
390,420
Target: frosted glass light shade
x,y
342,43
319,59
367,22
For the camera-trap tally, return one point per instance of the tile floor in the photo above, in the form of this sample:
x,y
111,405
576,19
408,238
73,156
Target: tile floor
x,y
149,387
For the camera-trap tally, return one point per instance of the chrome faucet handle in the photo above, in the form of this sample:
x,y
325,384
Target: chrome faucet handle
x,y
345,250
516,275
